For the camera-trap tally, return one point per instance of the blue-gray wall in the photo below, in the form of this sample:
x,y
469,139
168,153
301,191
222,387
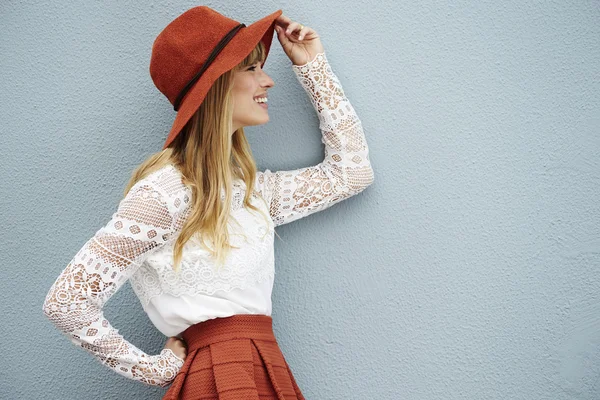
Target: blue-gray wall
x,y
468,270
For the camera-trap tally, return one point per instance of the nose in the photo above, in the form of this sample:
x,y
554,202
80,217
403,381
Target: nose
x,y
266,80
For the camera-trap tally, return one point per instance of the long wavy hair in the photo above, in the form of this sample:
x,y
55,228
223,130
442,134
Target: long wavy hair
x,y
208,158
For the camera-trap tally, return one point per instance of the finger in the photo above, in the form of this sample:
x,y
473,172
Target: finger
x,y
300,29
279,31
283,39
283,23
303,32
286,37
292,27
283,20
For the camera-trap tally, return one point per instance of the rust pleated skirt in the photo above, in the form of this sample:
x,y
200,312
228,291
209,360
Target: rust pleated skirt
x,y
233,358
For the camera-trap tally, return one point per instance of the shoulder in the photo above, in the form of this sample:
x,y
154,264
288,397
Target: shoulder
x,y
166,183
169,180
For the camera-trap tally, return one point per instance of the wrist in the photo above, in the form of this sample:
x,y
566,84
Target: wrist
x,y
172,358
311,57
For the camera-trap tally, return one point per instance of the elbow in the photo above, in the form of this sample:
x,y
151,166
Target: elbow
x,y
360,180
48,308
55,309
370,177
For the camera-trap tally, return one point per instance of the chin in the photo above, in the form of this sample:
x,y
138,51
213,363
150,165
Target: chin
x,y
259,122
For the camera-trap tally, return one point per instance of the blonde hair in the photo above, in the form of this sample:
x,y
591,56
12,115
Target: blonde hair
x,y
207,158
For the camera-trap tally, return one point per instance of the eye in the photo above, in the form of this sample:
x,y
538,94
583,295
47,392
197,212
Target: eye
x,y
254,66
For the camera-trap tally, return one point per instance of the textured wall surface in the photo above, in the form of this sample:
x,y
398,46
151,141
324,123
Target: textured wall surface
x,y
468,270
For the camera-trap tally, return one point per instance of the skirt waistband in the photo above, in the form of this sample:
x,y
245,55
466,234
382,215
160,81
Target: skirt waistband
x,y
253,326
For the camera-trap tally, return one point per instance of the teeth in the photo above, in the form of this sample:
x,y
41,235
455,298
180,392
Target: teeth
x,y
261,100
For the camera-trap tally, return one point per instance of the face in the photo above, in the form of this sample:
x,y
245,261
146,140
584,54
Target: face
x,y
250,82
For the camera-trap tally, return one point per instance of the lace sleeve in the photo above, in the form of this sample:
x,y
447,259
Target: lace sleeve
x,y
346,169
142,222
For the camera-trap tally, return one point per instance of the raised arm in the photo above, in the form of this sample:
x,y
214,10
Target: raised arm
x,y
346,169
143,222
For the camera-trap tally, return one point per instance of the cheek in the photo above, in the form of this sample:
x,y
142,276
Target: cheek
x,y
243,91
244,86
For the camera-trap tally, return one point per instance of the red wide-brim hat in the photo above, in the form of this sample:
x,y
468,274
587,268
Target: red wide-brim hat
x,y
197,47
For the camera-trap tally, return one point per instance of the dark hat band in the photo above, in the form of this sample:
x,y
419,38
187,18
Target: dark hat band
x,y
207,63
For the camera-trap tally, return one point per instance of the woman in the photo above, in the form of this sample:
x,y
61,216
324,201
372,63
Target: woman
x,y
194,233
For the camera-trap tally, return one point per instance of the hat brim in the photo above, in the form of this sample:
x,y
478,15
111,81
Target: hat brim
x,y
236,50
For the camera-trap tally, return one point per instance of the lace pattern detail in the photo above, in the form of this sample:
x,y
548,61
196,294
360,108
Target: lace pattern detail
x,y
346,169
252,262
143,222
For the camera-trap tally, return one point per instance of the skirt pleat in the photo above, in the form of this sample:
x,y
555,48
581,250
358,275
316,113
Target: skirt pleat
x,y
234,358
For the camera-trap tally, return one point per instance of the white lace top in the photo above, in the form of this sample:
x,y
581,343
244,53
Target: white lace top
x,y
137,243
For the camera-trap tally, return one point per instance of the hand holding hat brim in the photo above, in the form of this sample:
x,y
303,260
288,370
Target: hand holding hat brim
x,y
300,43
